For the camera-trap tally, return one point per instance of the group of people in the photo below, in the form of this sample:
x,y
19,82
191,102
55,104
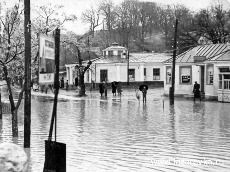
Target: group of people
x,y
116,88
63,85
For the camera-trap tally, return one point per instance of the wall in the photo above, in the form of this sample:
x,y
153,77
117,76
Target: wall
x,y
118,71
182,89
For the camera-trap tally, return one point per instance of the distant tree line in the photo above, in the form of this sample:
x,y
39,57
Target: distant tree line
x,y
137,24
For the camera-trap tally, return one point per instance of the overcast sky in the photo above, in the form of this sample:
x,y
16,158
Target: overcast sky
x,y
77,6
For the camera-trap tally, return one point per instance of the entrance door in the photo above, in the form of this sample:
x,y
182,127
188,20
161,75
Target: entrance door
x,y
103,75
202,79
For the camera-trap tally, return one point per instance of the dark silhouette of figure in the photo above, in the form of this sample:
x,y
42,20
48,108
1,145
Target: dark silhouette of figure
x,y
67,85
105,87
196,91
119,89
101,89
76,81
62,82
144,92
114,88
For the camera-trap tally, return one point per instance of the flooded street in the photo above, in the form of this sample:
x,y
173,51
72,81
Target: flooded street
x,y
123,135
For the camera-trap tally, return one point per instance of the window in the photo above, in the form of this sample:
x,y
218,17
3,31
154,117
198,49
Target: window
x,y
145,72
220,81
168,74
119,53
156,74
131,74
210,74
224,78
110,53
185,74
104,53
103,75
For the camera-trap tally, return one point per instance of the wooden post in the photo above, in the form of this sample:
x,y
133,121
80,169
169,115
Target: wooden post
x,y
128,68
27,99
171,94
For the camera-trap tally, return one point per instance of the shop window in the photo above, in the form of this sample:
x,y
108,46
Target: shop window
x,y
210,74
224,81
168,75
131,74
185,74
156,73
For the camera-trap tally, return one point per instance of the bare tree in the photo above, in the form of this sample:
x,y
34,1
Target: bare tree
x,y
92,17
11,61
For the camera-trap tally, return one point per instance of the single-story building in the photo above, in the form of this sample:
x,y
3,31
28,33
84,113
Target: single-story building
x,y
117,64
209,65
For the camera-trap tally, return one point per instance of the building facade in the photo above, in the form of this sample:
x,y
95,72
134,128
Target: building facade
x,y
209,65
118,65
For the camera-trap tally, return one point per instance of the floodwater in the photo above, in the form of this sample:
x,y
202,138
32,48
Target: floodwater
x,y
123,135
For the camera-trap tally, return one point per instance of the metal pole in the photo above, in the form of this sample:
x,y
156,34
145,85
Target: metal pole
x,y
56,85
128,69
173,65
27,99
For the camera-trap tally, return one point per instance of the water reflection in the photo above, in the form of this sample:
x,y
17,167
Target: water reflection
x,y
116,134
82,116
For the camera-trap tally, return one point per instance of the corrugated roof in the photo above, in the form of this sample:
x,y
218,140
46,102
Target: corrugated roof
x,y
137,58
210,52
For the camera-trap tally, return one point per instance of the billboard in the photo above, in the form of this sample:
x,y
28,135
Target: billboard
x,y
46,60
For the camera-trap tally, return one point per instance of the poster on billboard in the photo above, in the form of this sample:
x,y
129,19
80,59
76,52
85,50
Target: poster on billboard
x,y
47,61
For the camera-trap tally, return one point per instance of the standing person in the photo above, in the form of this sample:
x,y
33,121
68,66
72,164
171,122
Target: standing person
x,y
62,82
67,85
144,92
105,88
196,91
119,89
114,88
101,89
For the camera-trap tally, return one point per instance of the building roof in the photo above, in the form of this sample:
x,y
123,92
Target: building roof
x,y
211,52
137,58
115,46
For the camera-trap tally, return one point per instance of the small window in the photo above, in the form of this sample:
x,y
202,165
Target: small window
x,y
220,81
110,53
144,71
210,74
156,74
168,75
131,74
185,74
119,53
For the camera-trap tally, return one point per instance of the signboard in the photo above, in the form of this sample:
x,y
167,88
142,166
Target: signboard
x,y
199,58
46,63
185,78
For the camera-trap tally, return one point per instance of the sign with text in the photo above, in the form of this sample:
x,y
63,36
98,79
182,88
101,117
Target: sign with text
x,y
47,57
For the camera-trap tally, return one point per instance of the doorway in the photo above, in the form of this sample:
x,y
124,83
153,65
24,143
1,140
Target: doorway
x,y
202,79
103,75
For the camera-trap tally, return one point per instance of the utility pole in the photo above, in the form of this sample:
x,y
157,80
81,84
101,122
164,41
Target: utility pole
x,y
172,88
0,103
27,99
128,68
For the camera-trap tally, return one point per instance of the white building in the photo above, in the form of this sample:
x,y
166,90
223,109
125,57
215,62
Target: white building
x,y
209,65
115,64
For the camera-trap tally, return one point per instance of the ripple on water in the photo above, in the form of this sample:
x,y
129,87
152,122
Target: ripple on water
x,y
122,135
